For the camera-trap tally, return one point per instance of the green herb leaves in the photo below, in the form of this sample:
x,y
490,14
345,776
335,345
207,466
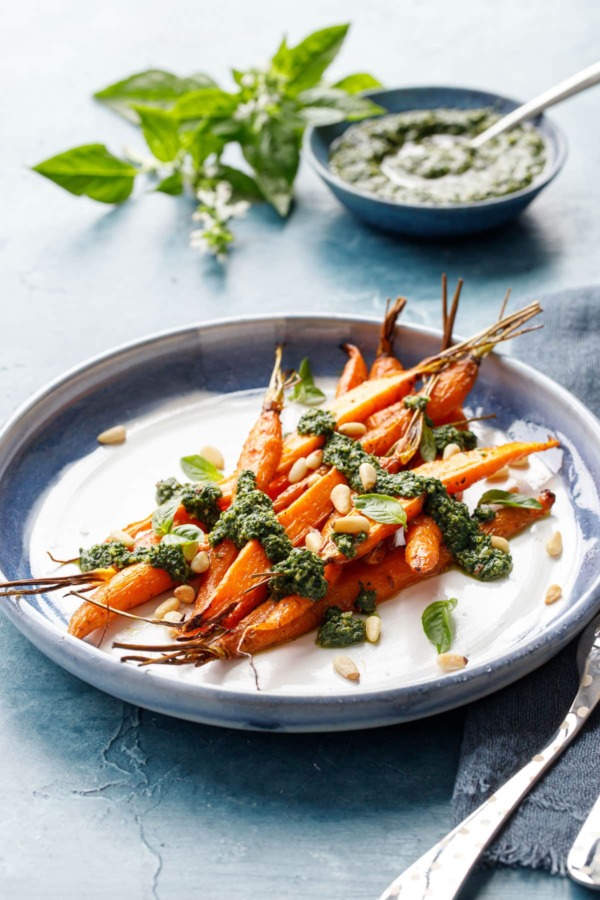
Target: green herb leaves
x,y
305,390
507,498
188,122
381,508
427,445
162,518
188,537
437,623
91,170
197,468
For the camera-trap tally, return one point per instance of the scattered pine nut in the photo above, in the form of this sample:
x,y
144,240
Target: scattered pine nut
x,y
501,475
553,594
341,498
123,536
500,543
312,479
554,545
200,562
451,662
351,525
373,628
450,450
173,617
185,593
114,435
313,540
353,429
214,456
346,667
298,471
522,463
167,606
314,459
368,475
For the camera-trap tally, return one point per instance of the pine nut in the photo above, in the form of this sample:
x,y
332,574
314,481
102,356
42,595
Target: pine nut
x,y
373,628
353,429
123,536
314,459
351,525
185,593
298,471
213,455
346,667
553,594
501,475
167,606
341,498
450,450
173,617
313,540
500,543
312,479
200,562
114,435
522,463
555,545
451,662
368,475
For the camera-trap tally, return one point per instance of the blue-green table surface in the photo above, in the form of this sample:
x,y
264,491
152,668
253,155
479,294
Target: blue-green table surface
x,y
100,799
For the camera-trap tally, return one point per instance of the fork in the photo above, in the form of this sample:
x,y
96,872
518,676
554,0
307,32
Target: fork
x,y
442,871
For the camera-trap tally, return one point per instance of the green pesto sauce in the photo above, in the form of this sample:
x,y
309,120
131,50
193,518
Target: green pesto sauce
x,y
424,157
162,556
341,629
366,600
347,543
316,421
449,434
199,500
302,573
471,549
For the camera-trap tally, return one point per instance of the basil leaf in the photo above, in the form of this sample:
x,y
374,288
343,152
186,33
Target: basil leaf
x,y
381,508
506,498
427,445
320,103
306,391
92,171
200,143
172,184
274,154
188,537
354,84
437,623
162,518
208,102
244,187
199,469
303,65
151,86
161,131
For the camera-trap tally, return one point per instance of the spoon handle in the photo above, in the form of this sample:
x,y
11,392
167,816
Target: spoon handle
x,y
583,862
573,85
441,872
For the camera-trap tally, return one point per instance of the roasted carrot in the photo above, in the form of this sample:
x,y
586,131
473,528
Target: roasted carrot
x,y
274,623
354,372
262,449
386,362
423,543
456,474
128,588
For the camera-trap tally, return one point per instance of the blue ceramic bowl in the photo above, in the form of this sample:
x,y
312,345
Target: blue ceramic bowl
x,y
429,220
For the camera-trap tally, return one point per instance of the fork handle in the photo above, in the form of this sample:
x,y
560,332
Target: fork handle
x,y
441,872
583,861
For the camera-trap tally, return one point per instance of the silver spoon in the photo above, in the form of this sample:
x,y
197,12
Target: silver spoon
x,y
580,82
441,872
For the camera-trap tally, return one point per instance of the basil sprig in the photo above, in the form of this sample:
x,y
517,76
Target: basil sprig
x,y
381,508
188,123
188,537
507,498
437,623
305,390
197,468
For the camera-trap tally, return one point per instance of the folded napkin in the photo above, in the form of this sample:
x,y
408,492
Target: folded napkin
x,y
503,731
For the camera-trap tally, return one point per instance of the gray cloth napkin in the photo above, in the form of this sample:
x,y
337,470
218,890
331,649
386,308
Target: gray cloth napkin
x,y
503,731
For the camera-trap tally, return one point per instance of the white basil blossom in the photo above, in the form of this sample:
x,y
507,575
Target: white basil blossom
x,y
214,214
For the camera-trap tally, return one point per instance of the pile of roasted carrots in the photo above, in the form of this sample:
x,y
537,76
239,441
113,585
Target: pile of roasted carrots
x,y
232,614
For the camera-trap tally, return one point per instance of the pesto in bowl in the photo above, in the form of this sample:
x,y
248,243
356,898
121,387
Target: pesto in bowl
x,y
424,157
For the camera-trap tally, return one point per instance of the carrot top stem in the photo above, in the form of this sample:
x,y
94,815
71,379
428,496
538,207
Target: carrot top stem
x,y
388,328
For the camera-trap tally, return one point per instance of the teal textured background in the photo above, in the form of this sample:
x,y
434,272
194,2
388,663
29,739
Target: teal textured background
x,y
102,800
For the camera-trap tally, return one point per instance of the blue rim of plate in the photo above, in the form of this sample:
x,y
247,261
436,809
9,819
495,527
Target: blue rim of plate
x,y
547,175
279,712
